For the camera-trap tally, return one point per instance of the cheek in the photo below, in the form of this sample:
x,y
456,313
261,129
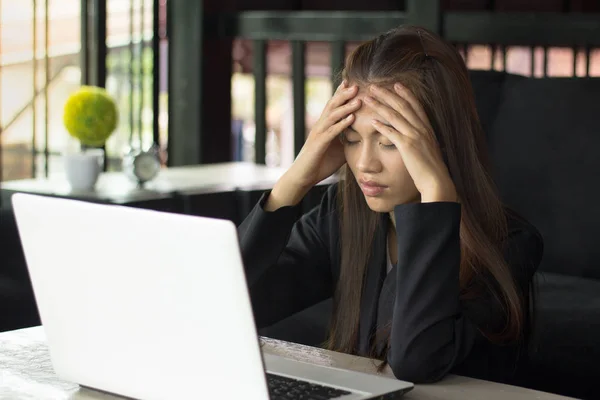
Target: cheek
x,y
393,163
351,156
397,170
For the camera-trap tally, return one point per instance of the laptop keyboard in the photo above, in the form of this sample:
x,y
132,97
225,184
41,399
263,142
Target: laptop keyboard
x,y
283,388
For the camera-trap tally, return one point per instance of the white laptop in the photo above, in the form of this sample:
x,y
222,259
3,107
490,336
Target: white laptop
x,y
152,305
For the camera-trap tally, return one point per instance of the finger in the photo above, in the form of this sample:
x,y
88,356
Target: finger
x,y
408,96
341,86
342,111
331,117
394,118
389,132
334,130
342,97
399,104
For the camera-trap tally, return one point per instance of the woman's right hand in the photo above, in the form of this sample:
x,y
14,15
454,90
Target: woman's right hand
x,y
322,154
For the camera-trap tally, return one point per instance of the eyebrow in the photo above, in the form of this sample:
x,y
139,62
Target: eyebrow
x,y
350,128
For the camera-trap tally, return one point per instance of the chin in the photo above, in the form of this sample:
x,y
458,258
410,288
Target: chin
x,y
383,204
379,204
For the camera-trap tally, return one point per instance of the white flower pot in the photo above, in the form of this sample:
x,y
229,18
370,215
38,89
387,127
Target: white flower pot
x,y
83,168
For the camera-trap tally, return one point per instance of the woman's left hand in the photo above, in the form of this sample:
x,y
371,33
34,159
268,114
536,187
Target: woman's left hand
x,y
410,131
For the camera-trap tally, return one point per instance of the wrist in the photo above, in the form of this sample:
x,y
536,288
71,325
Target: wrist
x,y
284,193
440,193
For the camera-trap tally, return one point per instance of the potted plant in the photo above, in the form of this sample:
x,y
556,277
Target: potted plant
x,y
90,116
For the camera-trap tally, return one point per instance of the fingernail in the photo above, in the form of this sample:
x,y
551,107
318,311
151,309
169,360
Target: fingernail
x,y
354,102
373,88
398,86
368,99
349,116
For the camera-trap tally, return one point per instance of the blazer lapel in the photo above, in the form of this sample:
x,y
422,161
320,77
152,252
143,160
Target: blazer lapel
x,y
375,276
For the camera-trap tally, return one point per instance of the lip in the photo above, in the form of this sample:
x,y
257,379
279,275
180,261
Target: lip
x,y
371,188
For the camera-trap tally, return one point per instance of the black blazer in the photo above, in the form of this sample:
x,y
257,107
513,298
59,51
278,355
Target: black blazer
x,y
294,263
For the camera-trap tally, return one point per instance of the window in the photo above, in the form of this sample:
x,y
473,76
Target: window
x,y
33,89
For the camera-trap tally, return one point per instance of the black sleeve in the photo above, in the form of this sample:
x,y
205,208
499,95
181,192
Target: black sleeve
x,y
286,259
432,330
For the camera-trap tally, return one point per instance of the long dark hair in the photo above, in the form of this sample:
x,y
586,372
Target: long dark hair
x,y
436,73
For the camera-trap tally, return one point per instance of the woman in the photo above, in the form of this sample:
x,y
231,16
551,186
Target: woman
x,y
427,270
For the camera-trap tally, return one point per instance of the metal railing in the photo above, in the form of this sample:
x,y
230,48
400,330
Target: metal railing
x,y
299,27
499,30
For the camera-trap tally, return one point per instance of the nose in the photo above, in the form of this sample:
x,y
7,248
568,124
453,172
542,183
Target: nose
x,y
368,160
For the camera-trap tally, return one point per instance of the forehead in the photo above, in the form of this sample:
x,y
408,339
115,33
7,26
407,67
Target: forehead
x,y
365,114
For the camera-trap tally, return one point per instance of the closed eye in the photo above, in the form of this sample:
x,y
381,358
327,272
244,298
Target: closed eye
x,y
388,146
345,141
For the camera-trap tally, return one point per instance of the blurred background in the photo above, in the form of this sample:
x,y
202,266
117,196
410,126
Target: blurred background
x,y
48,48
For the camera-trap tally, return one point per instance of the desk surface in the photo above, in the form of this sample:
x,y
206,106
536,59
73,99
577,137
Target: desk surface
x,y
115,187
26,373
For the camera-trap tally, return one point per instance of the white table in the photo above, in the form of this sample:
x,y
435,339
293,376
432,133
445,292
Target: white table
x,y
26,373
116,188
